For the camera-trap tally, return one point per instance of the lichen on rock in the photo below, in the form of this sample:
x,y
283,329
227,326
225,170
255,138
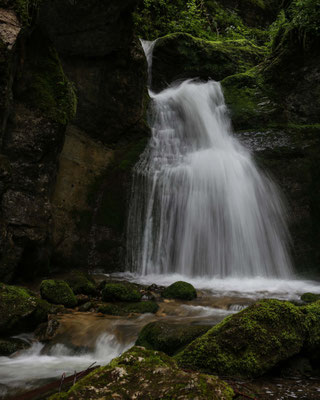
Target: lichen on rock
x,y
144,374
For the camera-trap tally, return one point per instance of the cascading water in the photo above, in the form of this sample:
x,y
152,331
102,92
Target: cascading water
x,y
200,206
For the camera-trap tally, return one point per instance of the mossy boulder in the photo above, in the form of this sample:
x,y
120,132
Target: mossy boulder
x,y
182,56
146,374
120,292
58,292
12,345
249,343
180,290
20,310
81,283
122,309
310,297
312,343
169,338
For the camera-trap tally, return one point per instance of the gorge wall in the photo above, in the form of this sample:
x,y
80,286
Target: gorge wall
x,y
73,108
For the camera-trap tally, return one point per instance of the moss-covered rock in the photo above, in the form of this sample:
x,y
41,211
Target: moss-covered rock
x,y
123,309
81,283
12,345
20,310
169,338
120,292
180,290
145,374
58,292
181,56
312,343
249,101
310,297
249,343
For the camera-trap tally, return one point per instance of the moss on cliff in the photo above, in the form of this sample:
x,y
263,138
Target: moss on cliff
x,y
46,86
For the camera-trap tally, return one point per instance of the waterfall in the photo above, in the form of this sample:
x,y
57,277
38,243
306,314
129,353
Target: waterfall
x,y
200,206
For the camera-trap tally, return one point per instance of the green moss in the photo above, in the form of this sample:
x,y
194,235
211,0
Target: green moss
x,y
148,375
58,292
249,343
180,55
48,87
20,310
123,309
169,338
80,283
312,323
310,297
180,290
120,292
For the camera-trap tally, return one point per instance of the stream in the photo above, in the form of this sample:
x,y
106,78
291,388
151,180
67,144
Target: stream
x,y
87,338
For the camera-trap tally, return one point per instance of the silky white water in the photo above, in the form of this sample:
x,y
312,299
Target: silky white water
x,y
200,206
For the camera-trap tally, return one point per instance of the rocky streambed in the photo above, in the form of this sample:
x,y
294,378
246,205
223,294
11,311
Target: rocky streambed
x,y
262,348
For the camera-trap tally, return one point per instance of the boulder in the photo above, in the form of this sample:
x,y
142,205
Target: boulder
x,y
20,310
58,292
122,309
120,292
12,345
249,343
181,56
310,297
145,374
312,343
180,290
169,338
81,283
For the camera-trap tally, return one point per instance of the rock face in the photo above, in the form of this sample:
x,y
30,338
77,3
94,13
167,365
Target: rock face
x,y
181,56
249,343
145,374
72,60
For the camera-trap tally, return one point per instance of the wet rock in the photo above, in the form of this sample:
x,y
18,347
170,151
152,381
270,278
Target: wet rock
x,y
20,310
81,283
144,374
180,290
82,298
58,292
86,307
249,343
181,56
169,338
12,345
122,309
120,292
47,331
310,297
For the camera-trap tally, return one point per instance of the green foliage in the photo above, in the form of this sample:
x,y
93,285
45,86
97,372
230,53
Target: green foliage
x,y
58,292
305,16
180,290
120,292
157,18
